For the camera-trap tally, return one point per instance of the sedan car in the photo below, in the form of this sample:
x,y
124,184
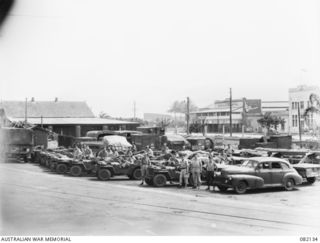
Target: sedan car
x,y
309,167
258,172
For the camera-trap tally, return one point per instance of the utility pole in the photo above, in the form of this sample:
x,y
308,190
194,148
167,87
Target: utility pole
x,y
299,124
230,117
188,115
134,110
26,111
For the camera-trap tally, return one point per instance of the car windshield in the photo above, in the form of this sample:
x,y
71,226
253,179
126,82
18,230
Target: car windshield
x,y
249,164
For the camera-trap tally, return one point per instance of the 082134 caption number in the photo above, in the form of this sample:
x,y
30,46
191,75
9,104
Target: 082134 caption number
x,y
305,239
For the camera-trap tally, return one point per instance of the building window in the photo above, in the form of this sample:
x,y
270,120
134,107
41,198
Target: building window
x,y
294,120
301,105
292,105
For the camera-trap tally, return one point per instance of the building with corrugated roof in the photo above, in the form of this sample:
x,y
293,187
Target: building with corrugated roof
x,y
70,118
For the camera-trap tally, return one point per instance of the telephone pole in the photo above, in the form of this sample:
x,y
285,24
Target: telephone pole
x,y
299,124
134,110
230,117
188,115
26,111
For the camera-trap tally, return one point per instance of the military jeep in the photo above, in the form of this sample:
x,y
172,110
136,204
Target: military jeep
x,y
118,166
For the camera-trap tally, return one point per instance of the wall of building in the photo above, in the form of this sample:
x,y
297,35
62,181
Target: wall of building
x,y
299,96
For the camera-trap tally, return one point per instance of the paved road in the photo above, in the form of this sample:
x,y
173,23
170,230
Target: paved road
x,y
35,201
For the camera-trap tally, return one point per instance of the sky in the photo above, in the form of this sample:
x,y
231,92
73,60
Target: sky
x,y
112,53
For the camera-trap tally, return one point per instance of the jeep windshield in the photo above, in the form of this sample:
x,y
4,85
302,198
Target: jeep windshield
x,y
249,164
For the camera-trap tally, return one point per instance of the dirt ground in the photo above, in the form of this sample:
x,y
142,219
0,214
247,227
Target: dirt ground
x,y
35,201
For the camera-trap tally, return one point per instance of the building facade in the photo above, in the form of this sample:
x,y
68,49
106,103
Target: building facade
x,y
245,113
299,99
70,118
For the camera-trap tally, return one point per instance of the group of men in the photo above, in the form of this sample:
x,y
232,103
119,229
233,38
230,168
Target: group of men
x,y
188,166
82,152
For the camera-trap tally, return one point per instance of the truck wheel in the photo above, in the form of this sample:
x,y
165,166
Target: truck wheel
x,y
289,184
76,170
61,168
311,180
223,188
149,181
159,180
241,187
104,174
136,174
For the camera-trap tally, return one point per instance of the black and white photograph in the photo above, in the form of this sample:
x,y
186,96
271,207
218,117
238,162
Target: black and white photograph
x,y
146,118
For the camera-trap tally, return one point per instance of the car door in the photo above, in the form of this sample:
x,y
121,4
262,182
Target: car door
x,y
263,171
277,173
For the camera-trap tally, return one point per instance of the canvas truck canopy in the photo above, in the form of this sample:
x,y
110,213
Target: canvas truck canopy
x,y
119,142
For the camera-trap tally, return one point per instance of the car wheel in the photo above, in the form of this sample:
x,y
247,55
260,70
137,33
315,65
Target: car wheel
x,y
149,181
61,168
241,187
311,180
104,174
159,180
223,188
289,184
76,170
136,174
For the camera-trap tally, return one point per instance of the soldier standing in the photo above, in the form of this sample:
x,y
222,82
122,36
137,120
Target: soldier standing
x,y
196,168
145,162
184,174
211,167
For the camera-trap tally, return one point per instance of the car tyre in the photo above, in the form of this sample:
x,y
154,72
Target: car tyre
x,y
104,174
241,187
136,174
289,184
223,188
61,168
76,170
149,181
311,180
159,180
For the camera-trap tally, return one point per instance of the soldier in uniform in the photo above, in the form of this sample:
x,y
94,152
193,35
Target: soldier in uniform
x,y
103,154
196,168
77,153
145,162
184,173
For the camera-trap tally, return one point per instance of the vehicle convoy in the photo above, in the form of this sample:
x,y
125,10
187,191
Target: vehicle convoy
x,y
16,143
309,167
258,172
118,166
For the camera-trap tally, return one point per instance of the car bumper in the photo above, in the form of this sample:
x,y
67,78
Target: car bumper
x,y
222,181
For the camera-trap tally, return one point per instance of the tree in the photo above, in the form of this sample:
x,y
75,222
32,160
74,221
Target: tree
x,y
268,120
163,122
181,107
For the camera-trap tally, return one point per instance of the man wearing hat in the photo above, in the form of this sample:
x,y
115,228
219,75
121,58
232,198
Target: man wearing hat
x,y
184,173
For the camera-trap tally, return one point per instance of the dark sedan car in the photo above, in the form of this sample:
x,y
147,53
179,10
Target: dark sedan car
x,y
258,172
